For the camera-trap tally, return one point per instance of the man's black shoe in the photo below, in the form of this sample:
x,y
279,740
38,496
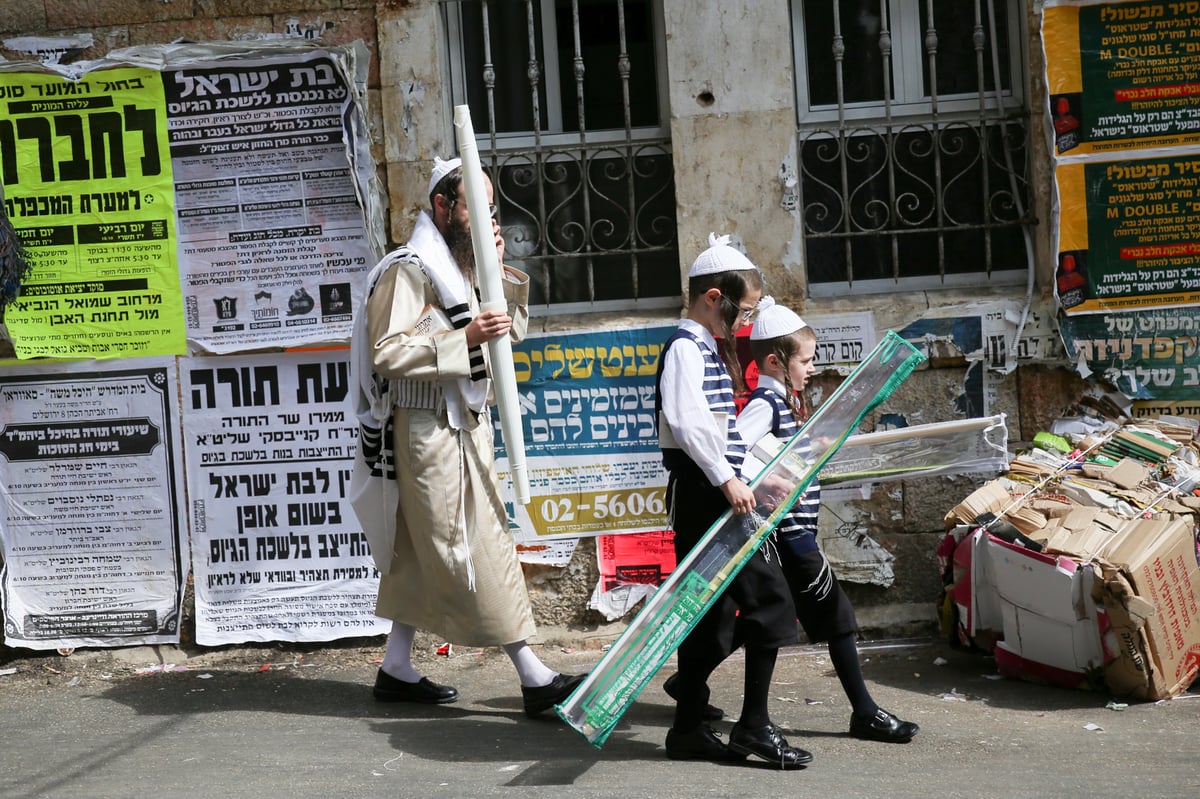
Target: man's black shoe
x,y
883,727
541,699
769,744
711,712
426,692
700,743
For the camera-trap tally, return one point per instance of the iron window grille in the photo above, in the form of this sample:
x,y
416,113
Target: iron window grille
x,y
568,102
912,143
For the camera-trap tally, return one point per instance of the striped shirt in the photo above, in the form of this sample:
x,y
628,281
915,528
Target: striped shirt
x,y
717,453
797,530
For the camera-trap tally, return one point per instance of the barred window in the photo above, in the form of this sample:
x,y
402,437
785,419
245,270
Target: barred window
x,y
568,101
912,143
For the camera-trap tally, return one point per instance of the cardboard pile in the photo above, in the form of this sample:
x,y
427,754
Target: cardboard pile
x,y
1080,569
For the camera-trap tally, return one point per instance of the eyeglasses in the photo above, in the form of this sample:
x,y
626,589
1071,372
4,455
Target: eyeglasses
x,y
748,314
492,209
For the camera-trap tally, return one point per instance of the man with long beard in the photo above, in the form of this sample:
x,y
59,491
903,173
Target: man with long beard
x,y
438,527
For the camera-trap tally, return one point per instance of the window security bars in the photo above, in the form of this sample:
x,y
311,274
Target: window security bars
x,y
568,102
913,143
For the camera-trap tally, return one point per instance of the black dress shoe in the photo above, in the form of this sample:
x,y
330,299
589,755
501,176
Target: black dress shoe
x,y
541,699
700,743
711,712
769,744
425,691
884,727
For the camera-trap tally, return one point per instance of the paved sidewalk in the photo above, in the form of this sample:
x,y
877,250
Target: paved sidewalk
x,y
231,726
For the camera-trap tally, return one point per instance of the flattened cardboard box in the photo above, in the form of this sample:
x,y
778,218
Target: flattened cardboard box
x,y
1148,585
1051,627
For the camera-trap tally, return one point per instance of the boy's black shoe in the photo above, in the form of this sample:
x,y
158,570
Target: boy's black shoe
x,y
711,713
883,727
769,744
700,743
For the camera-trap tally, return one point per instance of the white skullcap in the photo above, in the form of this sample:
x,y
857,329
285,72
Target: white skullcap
x,y
774,321
441,169
720,256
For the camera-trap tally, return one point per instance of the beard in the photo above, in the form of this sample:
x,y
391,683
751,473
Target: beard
x,y
462,248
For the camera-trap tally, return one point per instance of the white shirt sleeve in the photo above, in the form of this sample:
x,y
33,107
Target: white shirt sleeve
x,y
686,411
755,421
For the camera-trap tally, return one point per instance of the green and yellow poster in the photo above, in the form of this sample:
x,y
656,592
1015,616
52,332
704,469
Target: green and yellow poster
x,y
1129,234
1122,75
1123,87
86,171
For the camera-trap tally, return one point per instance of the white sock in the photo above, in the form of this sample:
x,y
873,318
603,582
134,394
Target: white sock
x,y
397,660
532,671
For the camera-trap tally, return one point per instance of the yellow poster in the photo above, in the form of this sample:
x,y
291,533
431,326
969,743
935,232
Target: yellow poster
x,y
87,181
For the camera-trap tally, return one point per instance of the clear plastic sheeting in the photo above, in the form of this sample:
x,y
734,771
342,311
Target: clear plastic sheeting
x,y
963,446
654,634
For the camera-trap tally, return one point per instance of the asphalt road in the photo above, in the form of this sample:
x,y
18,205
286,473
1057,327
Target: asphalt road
x,y
227,724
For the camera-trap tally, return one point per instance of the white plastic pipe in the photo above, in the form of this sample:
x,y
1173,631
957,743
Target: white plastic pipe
x,y
491,295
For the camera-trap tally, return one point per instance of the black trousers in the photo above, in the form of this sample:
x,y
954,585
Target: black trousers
x,y
755,610
824,609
